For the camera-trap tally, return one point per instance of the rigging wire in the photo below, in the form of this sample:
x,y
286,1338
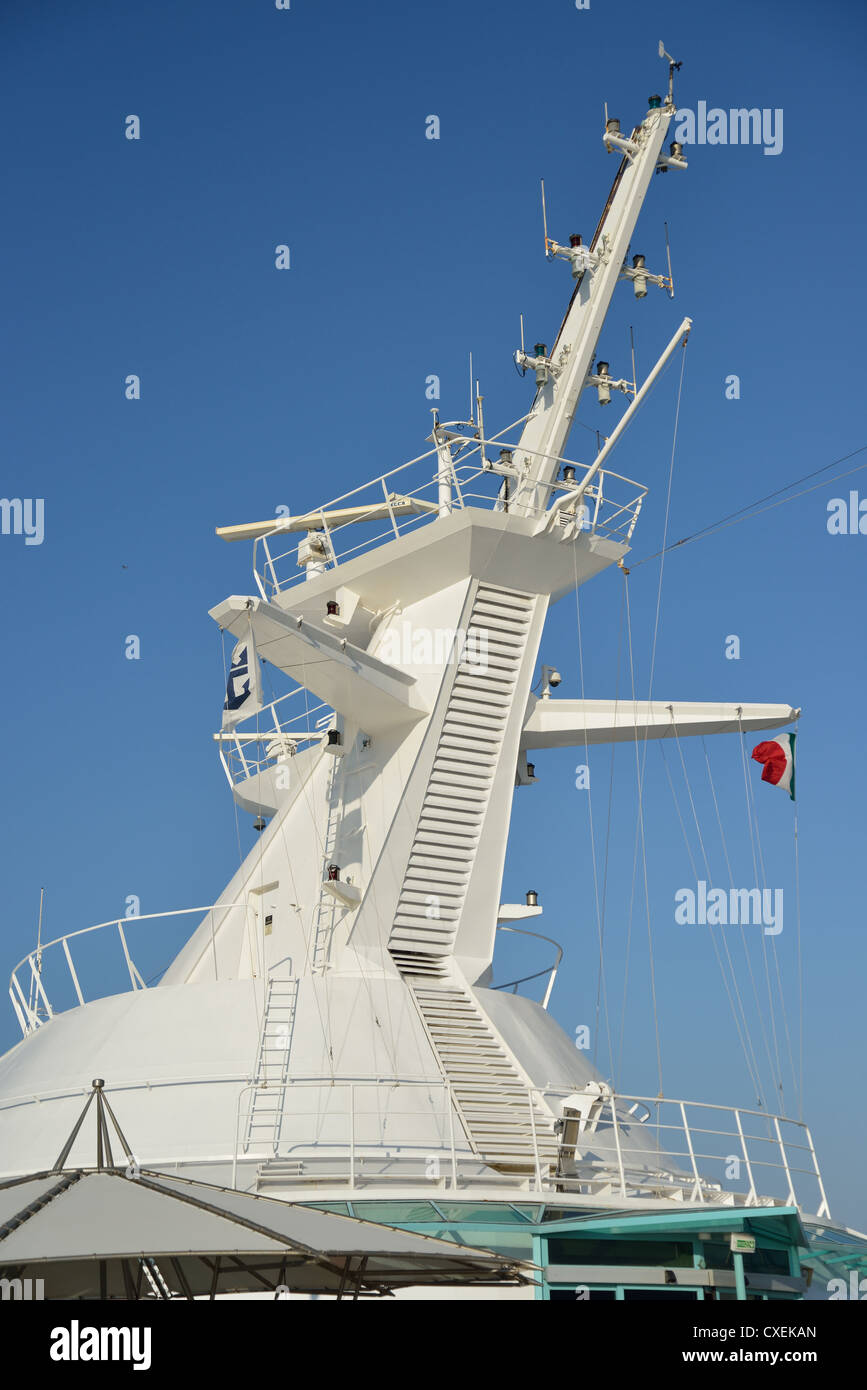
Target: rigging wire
x,y
641,762
222,640
747,512
754,1078
724,935
640,839
747,956
800,974
610,810
600,930
778,1081
782,998
390,1037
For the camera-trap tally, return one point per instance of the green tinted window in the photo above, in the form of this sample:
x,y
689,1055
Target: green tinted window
x,y
493,1212
575,1250
395,1213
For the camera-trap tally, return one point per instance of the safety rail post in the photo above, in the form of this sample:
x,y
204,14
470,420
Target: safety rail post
x,y
635,515
450,1104
390,509
270,564
32,1023
538,1161
263,592
613,1103
552,977
598,506
752,1195
237,1128
824,1210
277,726
239,748
66,952
456,483
352,1137
785,1157
39,988
133,972
22,1021
698,1187
329,543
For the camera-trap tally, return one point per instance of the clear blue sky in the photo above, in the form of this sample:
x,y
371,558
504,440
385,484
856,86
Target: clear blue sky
x,y
262,388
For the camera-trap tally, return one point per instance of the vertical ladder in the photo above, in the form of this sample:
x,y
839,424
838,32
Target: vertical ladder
x,y
323,924
272,1064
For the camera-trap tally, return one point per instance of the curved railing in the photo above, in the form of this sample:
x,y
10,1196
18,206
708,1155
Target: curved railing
x,y
549,971
35,1007
271,735
617,1145
610,1144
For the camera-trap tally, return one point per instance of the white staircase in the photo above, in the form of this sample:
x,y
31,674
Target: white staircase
x,y
272,1065
453,811
489,1091
497,1111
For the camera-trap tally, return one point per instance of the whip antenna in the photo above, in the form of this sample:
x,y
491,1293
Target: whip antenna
x,y
544,228
668,255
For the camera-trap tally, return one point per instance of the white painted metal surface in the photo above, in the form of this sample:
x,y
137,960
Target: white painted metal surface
x,y
327,1024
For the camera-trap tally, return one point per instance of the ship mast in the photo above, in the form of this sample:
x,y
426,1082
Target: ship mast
x,y
563,374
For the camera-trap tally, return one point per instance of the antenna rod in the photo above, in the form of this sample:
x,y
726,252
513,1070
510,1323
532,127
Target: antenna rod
x,y
668,254
544,222
679,338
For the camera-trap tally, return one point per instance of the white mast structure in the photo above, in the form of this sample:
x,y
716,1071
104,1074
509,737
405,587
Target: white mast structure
x,y
330,1025
562,376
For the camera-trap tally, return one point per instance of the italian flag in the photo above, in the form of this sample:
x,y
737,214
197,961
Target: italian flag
x,y
778,756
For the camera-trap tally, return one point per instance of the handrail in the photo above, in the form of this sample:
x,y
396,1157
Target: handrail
x,y
468,463
29,1018
352,1084
550,970
275,737
631,1168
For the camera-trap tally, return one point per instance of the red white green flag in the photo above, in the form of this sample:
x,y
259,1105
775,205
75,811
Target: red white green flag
x,y
778,756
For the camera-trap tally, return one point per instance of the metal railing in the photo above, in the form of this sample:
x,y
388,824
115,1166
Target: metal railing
x,y
738,1158
632,1147
758,1160
364,1136
608,506
549,972
34,1007
271,736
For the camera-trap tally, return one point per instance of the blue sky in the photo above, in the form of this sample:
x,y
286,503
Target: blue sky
x,y
261,388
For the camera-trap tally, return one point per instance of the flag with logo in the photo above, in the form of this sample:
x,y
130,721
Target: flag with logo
x,y
778,757
244,686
